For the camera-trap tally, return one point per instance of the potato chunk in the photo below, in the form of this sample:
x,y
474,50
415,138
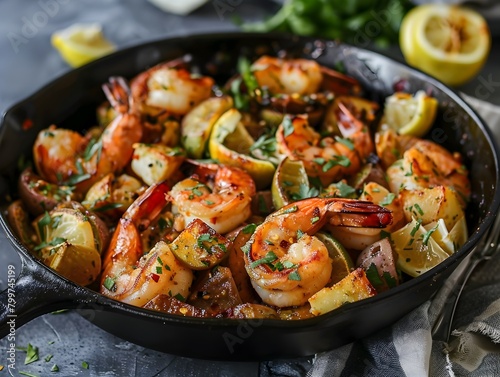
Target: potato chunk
x,y
352,288
432,204
155,162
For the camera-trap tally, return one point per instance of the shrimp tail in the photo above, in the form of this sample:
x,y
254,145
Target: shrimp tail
x,y
359,213
118,94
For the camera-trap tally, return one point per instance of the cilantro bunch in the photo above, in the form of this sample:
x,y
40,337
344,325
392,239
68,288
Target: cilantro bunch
x,y
358,22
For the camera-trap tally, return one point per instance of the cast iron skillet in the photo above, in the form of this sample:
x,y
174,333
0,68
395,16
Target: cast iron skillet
x,y
70,102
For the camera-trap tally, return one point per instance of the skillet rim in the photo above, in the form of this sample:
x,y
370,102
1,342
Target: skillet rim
x,y
473,241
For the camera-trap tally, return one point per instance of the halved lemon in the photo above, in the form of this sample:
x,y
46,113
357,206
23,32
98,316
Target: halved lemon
x,y
81,43
449,42
409,115
230,144
417,250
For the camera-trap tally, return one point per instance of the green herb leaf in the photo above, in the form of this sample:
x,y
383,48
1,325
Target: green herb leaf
x,y
85,365
31,354
388,199
347,142
287,126
294,276
109,283
249,229
373,276
54,368
269,258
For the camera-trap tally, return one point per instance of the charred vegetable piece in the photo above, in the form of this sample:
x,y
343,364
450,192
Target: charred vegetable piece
x,y
251,311
174,305
379,263
352,288
290,314
236,264
20,222
369,173
215,291
199,246
40,196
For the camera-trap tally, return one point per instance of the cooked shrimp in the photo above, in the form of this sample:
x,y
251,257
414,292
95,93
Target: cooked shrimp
x,y
219,195
134,275
170,87
286,263
329,158
287,76
63,156
426,165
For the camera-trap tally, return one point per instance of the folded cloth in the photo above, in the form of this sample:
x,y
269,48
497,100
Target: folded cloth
x,y
408,349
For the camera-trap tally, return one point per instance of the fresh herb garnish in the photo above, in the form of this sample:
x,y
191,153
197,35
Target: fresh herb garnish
x,y
249,229
268,259
294,275
287,126
31,354
388,199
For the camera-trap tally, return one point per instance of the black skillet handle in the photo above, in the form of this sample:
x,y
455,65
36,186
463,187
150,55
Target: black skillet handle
x,y
36,291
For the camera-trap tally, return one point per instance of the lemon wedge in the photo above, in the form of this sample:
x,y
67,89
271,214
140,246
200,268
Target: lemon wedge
x,y
417,249
409,115
449,42
229,144
81,43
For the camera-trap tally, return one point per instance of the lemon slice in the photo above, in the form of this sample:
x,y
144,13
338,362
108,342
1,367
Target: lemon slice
x,y
229,144
417,250
409,115
288,181
342,263
449,42
66,225
81,43
77,263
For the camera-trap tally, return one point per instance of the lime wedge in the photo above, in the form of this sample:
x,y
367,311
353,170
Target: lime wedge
x,y
288,179
341,261
197,124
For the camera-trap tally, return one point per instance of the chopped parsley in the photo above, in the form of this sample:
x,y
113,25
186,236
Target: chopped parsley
x,y
249,229
31,354
287,126
388,199
348,143
109,284
294,276
268,259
